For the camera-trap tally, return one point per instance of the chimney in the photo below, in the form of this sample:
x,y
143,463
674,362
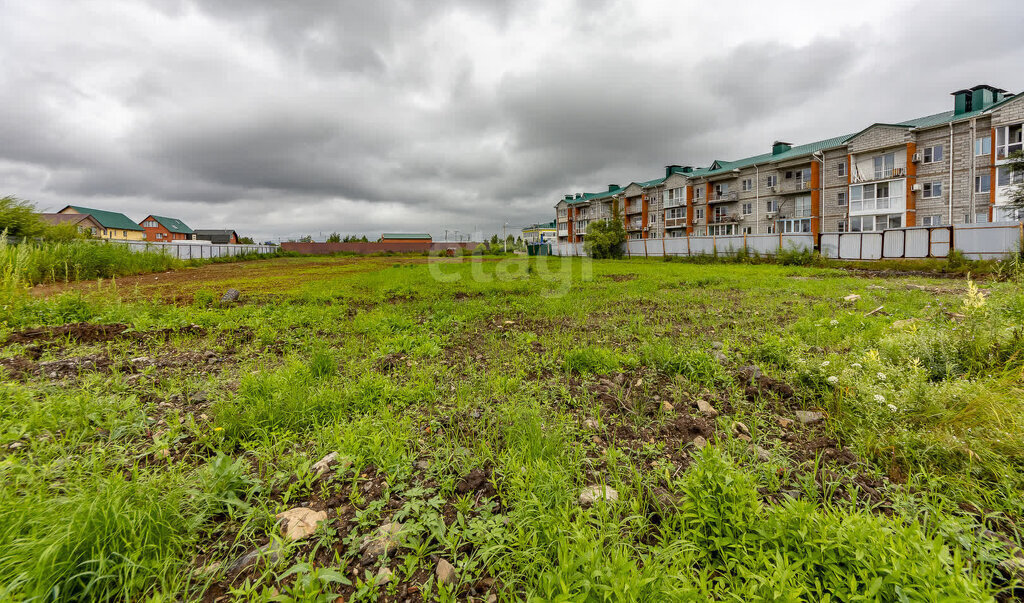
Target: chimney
x,y
568,197
669,169
779,147
977,98
612,187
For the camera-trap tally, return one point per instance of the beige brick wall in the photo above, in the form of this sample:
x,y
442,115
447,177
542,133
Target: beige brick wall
x,y
877,137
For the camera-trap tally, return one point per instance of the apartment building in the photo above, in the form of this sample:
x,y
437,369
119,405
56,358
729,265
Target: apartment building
x,y
946,168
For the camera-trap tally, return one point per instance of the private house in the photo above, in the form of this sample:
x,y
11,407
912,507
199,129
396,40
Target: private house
x,y
217,237
163,230
539,233
941,169
85,223
112,225
405,237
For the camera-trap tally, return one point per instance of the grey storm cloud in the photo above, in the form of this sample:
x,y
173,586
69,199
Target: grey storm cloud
x,y
287,118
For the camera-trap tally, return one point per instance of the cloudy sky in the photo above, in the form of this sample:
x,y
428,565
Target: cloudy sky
x,y
282,118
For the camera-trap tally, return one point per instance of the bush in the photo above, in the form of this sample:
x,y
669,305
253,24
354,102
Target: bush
x,y
605,237
19,218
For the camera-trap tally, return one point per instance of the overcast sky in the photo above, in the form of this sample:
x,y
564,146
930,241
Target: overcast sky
x,y
282,118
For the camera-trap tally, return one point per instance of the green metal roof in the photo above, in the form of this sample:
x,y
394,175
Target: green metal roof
x,y
540,226
108,219
172,224
406,235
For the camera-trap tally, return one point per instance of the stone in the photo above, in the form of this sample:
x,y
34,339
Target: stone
x,y
231,295
739,428
851,297
270,552
590,424
300,522
423,465
384,576
717,345
762,455
492,598
1013,567
198,397
665,501
597,440
592,494
743,437
324,465
720,357
706,409
903,324
784,422
666,406
699,442
749,373
810,417
385,540
445,572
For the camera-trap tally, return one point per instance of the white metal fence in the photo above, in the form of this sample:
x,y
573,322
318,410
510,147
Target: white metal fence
x,y
768,244
975,241
196,251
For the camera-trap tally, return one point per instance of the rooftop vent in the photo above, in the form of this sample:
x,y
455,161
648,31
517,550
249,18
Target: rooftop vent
x,y
612,187
779,147
977,98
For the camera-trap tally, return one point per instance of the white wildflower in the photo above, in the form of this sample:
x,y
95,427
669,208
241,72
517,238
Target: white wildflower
x,y
881,376
855,365
893,408
834,322
880,398
833,379
824,364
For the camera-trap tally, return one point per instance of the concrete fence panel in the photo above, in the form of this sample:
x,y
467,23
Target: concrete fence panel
x,y
988,241
893,243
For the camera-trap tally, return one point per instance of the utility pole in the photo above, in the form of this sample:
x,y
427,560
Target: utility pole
x,y
504,236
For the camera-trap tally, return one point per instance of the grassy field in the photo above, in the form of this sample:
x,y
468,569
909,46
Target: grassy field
x,y
513,429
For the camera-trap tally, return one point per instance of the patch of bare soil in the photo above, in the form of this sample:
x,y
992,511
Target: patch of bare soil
x,y
84,332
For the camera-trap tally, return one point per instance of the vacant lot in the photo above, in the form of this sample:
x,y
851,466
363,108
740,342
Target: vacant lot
x,y
509,430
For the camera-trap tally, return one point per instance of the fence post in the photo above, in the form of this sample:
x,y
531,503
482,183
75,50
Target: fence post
x,y
745,243
645,248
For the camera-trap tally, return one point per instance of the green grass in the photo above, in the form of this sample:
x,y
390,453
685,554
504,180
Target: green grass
x,y
146,476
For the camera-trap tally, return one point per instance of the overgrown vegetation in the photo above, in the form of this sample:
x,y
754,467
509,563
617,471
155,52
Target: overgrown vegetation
x,y
472,403
605,238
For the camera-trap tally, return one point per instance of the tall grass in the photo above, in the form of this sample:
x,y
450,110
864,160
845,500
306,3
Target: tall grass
x,y
34,263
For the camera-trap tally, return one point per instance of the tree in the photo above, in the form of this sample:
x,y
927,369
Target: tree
x,y
306,239
334,238
19,218
605,237
494,240
245,240
1016,178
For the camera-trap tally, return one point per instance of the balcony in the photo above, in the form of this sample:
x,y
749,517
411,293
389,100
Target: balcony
x,y
675,222
723,197
634,208
677,202
635,225
889,205
725,219
563,232
870,175
792,186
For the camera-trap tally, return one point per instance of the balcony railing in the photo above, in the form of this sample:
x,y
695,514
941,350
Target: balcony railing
x,y
634,208
635,225
669,203
723,197
563,233
887,204
725,219
675,222
794,185
884,174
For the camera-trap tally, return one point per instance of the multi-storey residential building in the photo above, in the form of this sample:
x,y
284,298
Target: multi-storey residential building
x,y
946,168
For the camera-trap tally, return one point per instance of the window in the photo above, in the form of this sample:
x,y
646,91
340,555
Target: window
x,y
159,235
895,221
933,154
149,224
932,190
124,233
983,146
935,220
720,213
885,165
721,230
841,168
770,229
721,189
748,230
748,184
981,217
841,199
841,226
862,224
675,196
699,192
772,180
880,195
982,183
798,225
1009,140
772,206
748,208
698,214
802,207
1005,176
675,213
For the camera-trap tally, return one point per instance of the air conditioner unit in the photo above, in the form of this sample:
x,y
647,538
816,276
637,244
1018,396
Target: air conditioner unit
x,y
771,189
917,187
771,214
916,158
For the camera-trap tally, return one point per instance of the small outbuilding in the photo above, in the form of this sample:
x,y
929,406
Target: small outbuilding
x,y
217,237
406,237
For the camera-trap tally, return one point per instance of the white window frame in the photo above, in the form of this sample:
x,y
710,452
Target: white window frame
x,y
772,179
747,209
932,154
772,205
748,184
698,213
841,199
1009,139
841,168
932,190
982,178
841,226
983,146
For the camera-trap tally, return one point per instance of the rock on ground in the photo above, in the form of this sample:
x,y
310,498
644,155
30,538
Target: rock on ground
x,y
300,522
324,465
230,295
739,428
592,494
270,551
809,417
445,572
699,442
385,539
706,409
384,576
851,297
784,422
